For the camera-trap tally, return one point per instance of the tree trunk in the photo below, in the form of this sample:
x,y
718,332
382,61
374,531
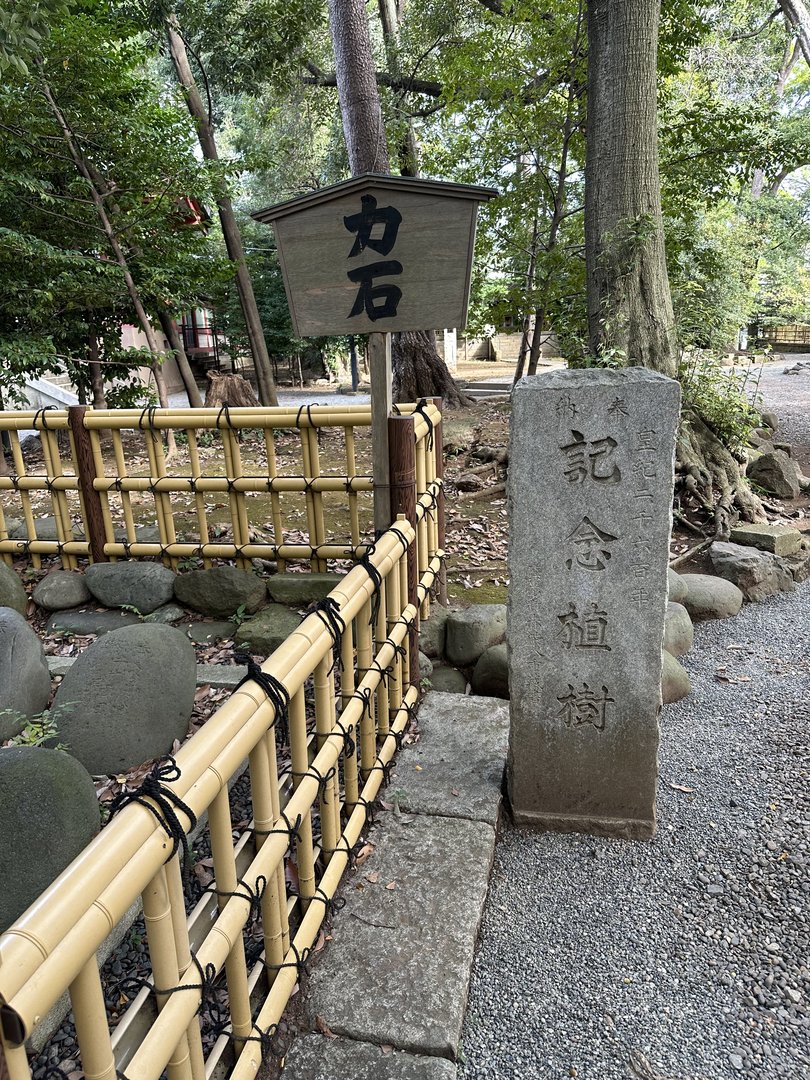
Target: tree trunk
x,y
418,370
537,338
94,369
798,16
118,253
629,303
169,328
230,229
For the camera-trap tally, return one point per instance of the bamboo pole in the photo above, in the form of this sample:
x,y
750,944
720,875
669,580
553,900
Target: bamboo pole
x,y
441,536
25,499
299,753
422,535
403,446
45,948
90,1018
379,358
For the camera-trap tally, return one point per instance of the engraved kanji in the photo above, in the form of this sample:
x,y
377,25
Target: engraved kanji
x,y
592,546
616,407
640,597
592,459
566,409
581,707
584,631
363,225
646,440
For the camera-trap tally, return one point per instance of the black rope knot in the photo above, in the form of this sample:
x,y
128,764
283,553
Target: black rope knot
x,y
328,611
41,414
422,408
292,830
275,691
149,414
331,904
376,580
163,806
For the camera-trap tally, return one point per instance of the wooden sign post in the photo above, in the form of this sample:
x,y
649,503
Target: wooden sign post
x,y
376,255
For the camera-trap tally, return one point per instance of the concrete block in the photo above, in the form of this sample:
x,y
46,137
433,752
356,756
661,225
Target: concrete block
x,y
315,1057
456,769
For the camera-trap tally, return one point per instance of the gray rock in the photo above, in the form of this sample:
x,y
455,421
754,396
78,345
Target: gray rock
x,y
710,597
461,756
140,585
48,813
776,473
770,420
61,589
12,593
221,591
127,698
490,676
432,632
314,1057
675,682
221,676
759,574
425,666
25,683
267,630
144,534
470,632
297,590
679,633
90,622
426,925
167,613
677,587
45,528
778,539
799,565
447,680
203,633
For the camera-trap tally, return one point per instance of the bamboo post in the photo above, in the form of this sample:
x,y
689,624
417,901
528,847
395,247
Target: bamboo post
x,y
86,470
379,357
402,447
438,445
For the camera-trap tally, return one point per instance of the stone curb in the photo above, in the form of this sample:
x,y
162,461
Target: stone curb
x,y
220,676
392,984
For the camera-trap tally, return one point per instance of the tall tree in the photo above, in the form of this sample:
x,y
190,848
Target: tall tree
x,y
629,304
418,369
230,227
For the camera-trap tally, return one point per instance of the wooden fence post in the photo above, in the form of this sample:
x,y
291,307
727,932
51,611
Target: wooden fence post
x,y
86,471
379,362
438,446
402,458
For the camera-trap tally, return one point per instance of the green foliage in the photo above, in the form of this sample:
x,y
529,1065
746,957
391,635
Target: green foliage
x,y
725,398
39,730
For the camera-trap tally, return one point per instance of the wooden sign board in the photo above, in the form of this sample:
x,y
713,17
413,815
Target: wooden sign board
x,y
377,254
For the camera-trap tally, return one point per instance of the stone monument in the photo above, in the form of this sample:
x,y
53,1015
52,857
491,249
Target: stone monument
x,y
591,469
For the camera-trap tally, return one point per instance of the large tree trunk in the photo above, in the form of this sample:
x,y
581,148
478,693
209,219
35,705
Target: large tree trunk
x,y
418,370
629,303
798,16
230,229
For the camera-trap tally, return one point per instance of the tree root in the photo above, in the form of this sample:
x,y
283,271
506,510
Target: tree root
x,y
709,479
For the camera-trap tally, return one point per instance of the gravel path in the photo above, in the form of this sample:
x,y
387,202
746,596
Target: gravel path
x,y
687,958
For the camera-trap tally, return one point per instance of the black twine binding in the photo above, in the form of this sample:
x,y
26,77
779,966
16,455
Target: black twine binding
x,y
165,804
253,899
292,830
275,691
331,904
226,411
376,579
421,408
149,413
43,414
299,963
328,611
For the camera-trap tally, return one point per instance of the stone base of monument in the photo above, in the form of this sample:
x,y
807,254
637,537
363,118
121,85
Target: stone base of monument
x,y
617,828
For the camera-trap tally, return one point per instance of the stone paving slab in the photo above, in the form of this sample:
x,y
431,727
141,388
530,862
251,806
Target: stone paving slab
x,y
315,1057
398,967
456,769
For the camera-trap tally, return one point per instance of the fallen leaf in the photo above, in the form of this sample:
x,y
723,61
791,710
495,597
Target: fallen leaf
x,y
363,854
386,1049
324,1028
682,787
454,791
391,886
373,877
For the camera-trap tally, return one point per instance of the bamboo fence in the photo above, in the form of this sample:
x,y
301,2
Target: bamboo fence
x,y
222,973
99,466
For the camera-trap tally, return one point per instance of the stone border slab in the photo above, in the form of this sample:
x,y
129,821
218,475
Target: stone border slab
x,y
398,967
219,676
315,1057
457,767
